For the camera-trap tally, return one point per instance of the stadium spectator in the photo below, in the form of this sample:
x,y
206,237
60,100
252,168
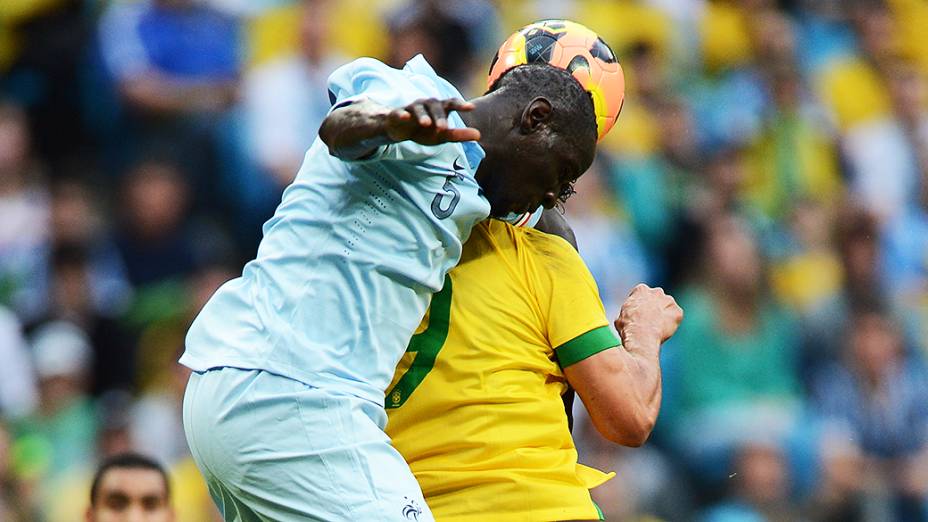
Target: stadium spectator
x,y
647,89
792,157
882,151
41,66
857,243
720,191
731,76
653,190
877,399
731,367
18,392
156,242
429,29
647,483
78,219
839,495
128,487
172,57
23,214
807,274
112,364
285,100
58,439
156,420
905,237
12,505
760,485
176,68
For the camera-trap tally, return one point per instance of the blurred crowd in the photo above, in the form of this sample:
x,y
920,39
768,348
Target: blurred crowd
x,y
770,169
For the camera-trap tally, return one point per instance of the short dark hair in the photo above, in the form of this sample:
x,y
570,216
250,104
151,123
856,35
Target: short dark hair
x,y
127,461
568,97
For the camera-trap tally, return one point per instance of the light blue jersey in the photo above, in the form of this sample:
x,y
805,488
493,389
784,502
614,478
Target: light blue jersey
x,y
355,250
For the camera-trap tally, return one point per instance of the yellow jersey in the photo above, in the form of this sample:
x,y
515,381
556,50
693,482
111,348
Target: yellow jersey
x,y
475,405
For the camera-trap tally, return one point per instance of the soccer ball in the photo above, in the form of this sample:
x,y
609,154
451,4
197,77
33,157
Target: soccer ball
x,y
577,49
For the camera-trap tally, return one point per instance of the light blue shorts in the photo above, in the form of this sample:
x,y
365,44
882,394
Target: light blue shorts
x,y
275,449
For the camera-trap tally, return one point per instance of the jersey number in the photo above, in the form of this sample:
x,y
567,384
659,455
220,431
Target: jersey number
x,y
426,345
449,191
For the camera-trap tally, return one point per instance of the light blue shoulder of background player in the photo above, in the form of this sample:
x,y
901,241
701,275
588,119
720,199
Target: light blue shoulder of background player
x,y
370,79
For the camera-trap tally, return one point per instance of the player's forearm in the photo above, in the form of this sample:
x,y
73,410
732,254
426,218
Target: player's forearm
x,y
355,131
644,377
621,390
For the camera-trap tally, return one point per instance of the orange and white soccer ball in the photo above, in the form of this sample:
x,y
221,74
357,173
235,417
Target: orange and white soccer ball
x,y
577,49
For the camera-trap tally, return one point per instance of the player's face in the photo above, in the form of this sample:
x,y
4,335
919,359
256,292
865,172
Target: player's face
x,y
131,495
537,179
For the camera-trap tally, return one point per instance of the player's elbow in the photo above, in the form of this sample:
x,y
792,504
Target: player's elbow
x,y
327,132
628,428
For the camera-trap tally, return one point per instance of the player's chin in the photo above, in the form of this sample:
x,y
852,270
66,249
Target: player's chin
x,y
498,208
504,207
503,210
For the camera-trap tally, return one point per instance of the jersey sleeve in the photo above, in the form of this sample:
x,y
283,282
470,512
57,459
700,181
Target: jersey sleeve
x,y
367,79
364,79
576,323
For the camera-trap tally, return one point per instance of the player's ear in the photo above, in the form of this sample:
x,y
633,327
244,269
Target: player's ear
x,y
536,114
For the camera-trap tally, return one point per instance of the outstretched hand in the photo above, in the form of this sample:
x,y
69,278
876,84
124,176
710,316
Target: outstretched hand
x,y
425,121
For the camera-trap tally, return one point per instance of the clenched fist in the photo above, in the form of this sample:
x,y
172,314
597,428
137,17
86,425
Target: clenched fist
x,y
648,317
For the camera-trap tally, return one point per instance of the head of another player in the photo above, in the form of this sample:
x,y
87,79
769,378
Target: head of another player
x,y
130,487
578,51
538,129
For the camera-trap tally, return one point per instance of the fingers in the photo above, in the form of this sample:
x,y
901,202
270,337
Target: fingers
x,y
399,115
432,112
426,121
455,104
419,111
437,113
465,134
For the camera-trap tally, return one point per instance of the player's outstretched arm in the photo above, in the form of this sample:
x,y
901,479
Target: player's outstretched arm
x,y
357,130
621,387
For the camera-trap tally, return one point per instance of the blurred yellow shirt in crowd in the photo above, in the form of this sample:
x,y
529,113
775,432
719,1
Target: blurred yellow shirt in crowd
x,y
356,28
12,13
608,18
804,281
853,92
726,41
484,428
912,19
793,160
637,134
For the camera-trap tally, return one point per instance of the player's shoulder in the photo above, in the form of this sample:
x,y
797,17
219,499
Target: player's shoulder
x,y
365,69
371,64
537,250
383,84
549,245
365,66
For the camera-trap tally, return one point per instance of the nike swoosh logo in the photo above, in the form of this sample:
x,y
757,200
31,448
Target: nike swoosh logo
x,y
456,166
